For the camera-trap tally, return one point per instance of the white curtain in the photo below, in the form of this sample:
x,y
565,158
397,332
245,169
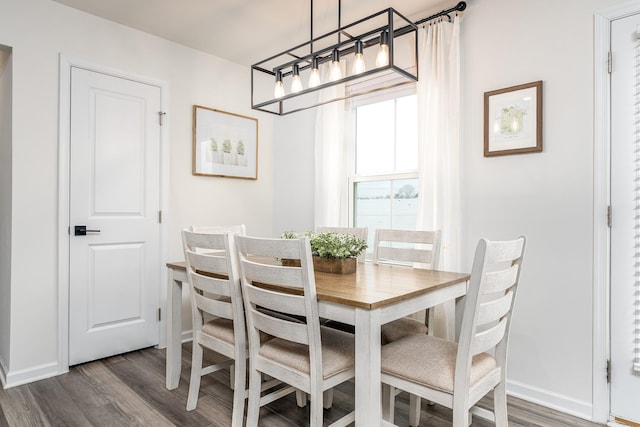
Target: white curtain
x,y
330,156
438,91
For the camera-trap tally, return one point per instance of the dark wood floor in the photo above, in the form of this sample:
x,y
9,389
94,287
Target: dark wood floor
x,y
129,390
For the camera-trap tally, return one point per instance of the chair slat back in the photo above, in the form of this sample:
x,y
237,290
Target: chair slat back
x,y
489,303
277,301
212,285
273,274
493,310
488,338
361,232
284,291
496,281
407,247
213,272
281,328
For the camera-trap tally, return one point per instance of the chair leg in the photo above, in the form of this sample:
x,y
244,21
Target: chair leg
x,y
500,404
388,402
327,399
414,410
315,419
239,381
301,398
196,374
431,320
232,375
253,406
461,417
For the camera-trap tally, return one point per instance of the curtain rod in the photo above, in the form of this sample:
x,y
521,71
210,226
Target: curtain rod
x,y
457,8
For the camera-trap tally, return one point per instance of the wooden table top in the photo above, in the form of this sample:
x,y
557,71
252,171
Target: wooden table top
x,y
375,285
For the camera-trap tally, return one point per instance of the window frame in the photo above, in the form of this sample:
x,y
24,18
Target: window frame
x,y
350,124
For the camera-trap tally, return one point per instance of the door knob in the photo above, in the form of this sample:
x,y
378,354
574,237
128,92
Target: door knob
x,y
81,230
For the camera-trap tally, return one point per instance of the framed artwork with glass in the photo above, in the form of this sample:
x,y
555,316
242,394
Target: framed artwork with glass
x,y
224,144
513,120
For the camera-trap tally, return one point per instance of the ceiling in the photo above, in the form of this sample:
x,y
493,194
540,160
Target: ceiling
x,y
245,31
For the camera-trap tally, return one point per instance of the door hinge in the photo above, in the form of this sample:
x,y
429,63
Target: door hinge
x,y
609,62
160,217
162,114
159,314
608,371
609,214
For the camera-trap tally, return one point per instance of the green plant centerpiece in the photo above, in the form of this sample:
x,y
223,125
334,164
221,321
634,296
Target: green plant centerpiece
x,y
332,252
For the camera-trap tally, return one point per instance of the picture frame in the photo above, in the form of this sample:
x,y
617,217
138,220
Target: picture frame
x,y
224,144
513,120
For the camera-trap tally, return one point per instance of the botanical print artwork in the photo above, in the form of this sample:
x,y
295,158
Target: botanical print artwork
x,y
510,123
224,144
513,120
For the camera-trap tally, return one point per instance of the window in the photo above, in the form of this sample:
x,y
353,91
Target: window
x,y
384,173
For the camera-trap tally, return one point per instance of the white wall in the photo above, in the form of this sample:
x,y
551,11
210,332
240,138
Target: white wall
x,y
548,195
40,30
5,206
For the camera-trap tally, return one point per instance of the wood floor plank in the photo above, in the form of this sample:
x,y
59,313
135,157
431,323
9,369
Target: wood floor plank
x,y
122,396
3,419
101,405
129,390
21,409
151,389
56,404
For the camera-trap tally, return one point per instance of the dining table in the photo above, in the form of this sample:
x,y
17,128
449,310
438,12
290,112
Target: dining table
x,y
372,296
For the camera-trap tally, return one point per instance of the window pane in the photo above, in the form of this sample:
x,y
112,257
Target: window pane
x,y
385,204
405,204
406,134
375,138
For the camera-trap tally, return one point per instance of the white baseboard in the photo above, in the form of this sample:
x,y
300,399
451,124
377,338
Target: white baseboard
x,y
25,376
568,405
187,336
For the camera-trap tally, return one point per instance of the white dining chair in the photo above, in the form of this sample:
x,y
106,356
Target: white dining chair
x,y
217,310
301,353
416,248
457,375
361,232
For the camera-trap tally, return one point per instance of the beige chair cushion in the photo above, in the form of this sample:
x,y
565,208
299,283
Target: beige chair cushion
x,y
220,328
430,361
338,352
399,328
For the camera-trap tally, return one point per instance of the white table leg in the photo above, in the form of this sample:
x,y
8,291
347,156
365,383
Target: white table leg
x,y
368,386
174,331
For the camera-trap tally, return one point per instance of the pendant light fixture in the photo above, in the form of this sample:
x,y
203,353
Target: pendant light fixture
x,y
335,72
278,91
296,83
314,76
382,59
380,52
358,62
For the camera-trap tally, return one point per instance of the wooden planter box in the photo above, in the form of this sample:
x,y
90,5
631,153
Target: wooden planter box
x,y
328,265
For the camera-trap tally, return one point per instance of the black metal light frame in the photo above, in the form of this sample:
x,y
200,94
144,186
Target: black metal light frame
x,y
396,26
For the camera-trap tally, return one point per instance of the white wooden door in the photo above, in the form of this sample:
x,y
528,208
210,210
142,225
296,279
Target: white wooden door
x,y
625,230
115,190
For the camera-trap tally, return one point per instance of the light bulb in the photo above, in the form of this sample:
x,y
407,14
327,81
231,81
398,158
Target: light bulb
x,y
335,73
296,84
358,63
278,90
383,52
314,78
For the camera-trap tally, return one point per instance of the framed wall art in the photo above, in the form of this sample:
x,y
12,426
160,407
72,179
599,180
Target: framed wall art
x,y
513,120
224,144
